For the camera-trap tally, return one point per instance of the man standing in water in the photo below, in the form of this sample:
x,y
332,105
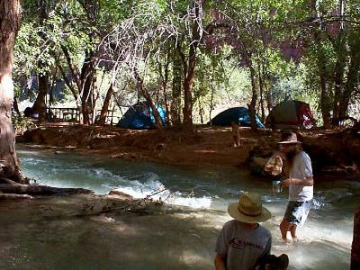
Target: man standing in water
x,y
300,183
242,241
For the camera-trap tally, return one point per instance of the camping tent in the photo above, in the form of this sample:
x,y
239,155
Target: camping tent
x,y
235,114
140,116
291,114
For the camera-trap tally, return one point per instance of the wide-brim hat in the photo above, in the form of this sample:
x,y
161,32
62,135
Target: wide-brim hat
x,y
249,209
289,138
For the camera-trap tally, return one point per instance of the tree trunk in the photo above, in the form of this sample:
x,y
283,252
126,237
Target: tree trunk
x,y
164,85
43,79
339,44
350,87
339,72
187,110
261,87
76,77
105,107
325,103
16,107
146,95
211,107
40,102
190,70
87,78
254,88
269,100
353,73
176,91
10,15
188,85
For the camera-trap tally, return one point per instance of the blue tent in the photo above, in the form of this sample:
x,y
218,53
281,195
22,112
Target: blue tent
x,y
236,114
140,116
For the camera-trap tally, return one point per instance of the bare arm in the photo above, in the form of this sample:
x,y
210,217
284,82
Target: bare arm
x,y
220,262
308,181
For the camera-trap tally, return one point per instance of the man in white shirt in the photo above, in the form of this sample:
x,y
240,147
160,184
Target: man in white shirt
x,y
300,183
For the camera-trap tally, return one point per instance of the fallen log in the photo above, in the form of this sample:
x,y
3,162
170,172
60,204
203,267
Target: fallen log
x,y
8,181
11,196
41,190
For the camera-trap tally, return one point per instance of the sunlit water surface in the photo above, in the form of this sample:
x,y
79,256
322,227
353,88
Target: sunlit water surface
x,y
176,240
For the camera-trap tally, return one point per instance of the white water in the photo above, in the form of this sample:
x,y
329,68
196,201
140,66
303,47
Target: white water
x,y
179,240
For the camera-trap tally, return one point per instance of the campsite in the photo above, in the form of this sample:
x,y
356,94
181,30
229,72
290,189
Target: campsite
x,y
134,132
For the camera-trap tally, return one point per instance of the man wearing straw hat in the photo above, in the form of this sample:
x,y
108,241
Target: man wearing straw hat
x,y
300,183
242,241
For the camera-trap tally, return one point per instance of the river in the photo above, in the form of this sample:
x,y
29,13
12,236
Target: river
x,y
182,237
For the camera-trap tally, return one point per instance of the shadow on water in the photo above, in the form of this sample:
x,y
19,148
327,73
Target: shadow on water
x,y
180,237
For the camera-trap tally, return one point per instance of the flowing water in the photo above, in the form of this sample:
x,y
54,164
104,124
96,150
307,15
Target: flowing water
x,y
180,239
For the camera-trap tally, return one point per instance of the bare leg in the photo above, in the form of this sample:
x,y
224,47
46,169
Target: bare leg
x,y
292,229
284,227
234,141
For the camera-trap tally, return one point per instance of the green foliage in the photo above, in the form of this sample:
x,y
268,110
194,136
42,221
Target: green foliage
x,y
113,12
22,124
151,32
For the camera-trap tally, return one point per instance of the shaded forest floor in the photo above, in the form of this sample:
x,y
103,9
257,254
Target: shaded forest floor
x,y
333,152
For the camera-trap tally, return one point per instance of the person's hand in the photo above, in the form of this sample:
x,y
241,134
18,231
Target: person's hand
x,y
286,182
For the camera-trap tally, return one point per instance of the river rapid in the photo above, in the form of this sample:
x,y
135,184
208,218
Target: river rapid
x,y
182,236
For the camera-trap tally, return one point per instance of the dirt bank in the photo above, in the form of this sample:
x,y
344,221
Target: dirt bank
x,y
333,152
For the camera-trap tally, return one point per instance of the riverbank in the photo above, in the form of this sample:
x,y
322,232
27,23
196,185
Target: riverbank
x,y
205,146
333,152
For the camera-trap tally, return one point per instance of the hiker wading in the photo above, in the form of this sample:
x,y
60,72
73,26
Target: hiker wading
x,y
300,183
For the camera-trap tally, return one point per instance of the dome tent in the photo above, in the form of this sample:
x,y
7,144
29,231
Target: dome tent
x,y
291,114
140,116
236,114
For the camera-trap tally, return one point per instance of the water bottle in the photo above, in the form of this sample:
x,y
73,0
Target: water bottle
x,y
276,186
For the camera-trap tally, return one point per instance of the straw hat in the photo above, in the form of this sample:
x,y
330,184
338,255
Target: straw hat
x,y
249,209
289,138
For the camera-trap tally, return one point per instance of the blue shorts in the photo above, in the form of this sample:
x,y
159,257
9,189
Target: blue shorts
x,y
297,212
